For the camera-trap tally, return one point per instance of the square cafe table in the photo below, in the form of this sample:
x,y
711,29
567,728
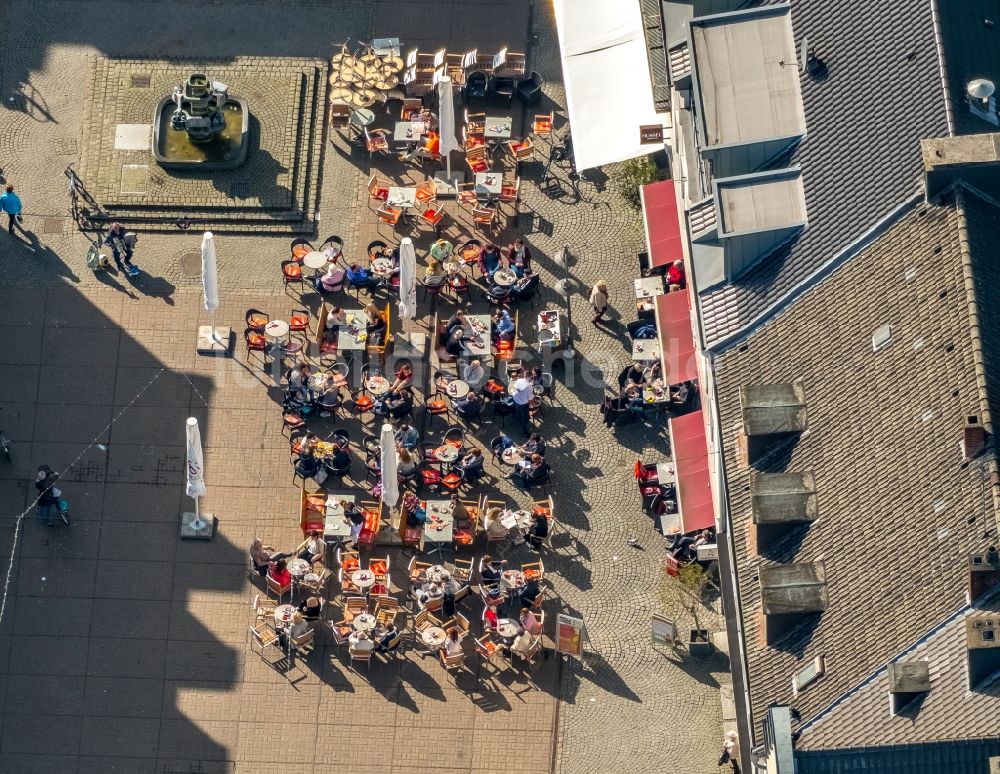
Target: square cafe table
x,y
439,538
498,127
335,527
647,287
345,341
408,132
405,198
645,350
489,183
479,351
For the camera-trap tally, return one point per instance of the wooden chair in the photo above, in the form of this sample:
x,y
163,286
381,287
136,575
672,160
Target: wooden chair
x,y
466,194
305,640
433,216
485,217
452,662
360,654
376,141
463,570
415,569
386,610
542,125
346,586
477,160
409,107
263,610
264,637
507,64
389,215
354,606
533,571
378,189
318,586
509,192
488,650
475,122
426,191
520,150
277,588
472,139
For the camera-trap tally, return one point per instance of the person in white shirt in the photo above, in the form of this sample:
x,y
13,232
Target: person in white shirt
x,y
524,391
453,643
313,546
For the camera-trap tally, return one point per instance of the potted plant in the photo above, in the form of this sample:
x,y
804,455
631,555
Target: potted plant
x,y
692,580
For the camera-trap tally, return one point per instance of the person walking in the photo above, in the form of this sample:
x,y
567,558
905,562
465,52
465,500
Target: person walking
x,y
117,242
10,203
50,499
599,300
524,391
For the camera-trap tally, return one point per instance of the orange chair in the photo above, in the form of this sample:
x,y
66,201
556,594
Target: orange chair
x,y
542,125
484,216
256,320
255,341
291,271
477,160
390,215
426,191
452,481
299,320
520,150
509,191
467,194
378,189
471,140
433,216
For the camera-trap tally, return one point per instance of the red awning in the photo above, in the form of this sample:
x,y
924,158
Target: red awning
x,y
690,453
673,328
663,229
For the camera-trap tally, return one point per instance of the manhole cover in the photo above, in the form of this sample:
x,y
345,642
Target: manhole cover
x,y
191,263
239,190
140,81
135,178
52,226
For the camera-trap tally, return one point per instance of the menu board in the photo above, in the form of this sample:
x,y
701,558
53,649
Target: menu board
x,y
569,635
664,631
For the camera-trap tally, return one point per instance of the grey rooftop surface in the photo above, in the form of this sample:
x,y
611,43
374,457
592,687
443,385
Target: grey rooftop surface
x,y
899,510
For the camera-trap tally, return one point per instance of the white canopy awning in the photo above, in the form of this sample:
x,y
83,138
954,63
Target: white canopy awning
x,y
606,74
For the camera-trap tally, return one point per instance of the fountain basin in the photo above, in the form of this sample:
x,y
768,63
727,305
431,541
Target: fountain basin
x,y
173,148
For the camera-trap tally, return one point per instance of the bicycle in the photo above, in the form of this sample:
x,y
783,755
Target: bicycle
x,y
4,445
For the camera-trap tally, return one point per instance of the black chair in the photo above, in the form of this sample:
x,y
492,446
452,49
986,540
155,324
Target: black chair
x,y
529,90
474,472
503,409
333,247
501,92
641,326
342,437
477,85
375,249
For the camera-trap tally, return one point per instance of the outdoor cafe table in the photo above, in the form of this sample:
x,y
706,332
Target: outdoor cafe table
x,y
645,349
298,567
515,519
550,320
315,260
647,287
433,637
665,473
276,329
352,342
283,614
319,382
335,526
507,628
498,127
512,579
512,455
363,578
439,529
408,132
437,573
489,184
382,268
364,622
457,389
446,453
377,385
400,196
504,277
477,333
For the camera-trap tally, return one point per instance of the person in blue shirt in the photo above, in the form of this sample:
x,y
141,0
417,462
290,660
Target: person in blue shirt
x,y
359,276
489,259
407,436
119,245
503,326
10,203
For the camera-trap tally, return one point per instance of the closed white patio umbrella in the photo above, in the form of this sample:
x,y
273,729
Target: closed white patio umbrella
x,y
390,486
407,280
446,122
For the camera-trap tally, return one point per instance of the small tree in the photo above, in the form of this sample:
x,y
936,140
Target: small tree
x,y
632,175
692,580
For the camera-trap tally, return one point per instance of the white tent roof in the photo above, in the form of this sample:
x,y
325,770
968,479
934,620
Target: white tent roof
x,y
606,73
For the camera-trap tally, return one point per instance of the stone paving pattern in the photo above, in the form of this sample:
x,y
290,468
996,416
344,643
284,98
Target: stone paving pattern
x,y
125,649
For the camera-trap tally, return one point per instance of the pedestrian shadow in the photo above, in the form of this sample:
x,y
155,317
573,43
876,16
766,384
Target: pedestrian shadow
x,y
26,99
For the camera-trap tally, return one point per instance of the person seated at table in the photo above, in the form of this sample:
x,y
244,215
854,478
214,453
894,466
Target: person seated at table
x,y
489,259
407,436
685,549
442,250
312,546
426,593
528,593
494,529
452,341
529,471
474,375
387,635
414,512
330,399
434,274
502,325
529,622
469,407
298,381
457,320
296,628
524,286
472,461
407,465
336,318
403,377
518,257
652,372
489,571
538,531
360,277
634,374
534,445
361,641
263,555
675,276
308,464
398,404
339,459
429,119
311,608
375,325
332,279
279,573
522,643
452,643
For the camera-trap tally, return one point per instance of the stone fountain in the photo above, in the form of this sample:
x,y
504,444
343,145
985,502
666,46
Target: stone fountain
x,y
200,126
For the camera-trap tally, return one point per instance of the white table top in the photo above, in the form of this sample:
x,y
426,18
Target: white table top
x,y
665,473
408,131
446,453
335,525
276,329
489,183
645,349
498,127
457,388
473,345
283,614
363,578
504,277
507,628
433,636
315,260
364,622
647,287
377,385
512,454
298,566
437,573
402,197
512,579
444,530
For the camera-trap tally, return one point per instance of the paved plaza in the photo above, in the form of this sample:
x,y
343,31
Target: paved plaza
x,y
123,649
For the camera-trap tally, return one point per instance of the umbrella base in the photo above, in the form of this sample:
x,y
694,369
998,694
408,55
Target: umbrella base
x,y
214,341
448,186
197,526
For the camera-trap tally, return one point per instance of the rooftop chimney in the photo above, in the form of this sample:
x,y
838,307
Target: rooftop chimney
x,y
770,414
790,593
908,680
984,574
982,638
778,503
973,158
973,437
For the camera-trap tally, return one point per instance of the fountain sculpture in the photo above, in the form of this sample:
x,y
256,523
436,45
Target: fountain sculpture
x,y
200,126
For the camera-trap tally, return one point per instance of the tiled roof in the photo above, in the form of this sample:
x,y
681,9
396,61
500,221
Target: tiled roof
x,y
860,158
970,38
952,757
899,510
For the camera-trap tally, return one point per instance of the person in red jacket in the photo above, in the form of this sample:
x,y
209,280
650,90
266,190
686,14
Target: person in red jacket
x,y
675,276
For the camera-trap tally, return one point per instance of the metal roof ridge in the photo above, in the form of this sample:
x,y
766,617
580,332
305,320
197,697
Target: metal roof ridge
x,y
949,110
826,269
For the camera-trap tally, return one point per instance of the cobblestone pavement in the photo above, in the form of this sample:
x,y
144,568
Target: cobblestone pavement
x,y
126,650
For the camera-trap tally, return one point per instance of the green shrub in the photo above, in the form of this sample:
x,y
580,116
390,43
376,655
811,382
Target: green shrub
x,y
633,174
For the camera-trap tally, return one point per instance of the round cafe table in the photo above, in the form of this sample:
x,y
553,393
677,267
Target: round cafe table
x,y
298,567
433,636
363,579
283,614
392,64
504,277
437,573
315,260
512,455
276,329
364,622
382,266
377,385
507,628
512,579
446,453
458,389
